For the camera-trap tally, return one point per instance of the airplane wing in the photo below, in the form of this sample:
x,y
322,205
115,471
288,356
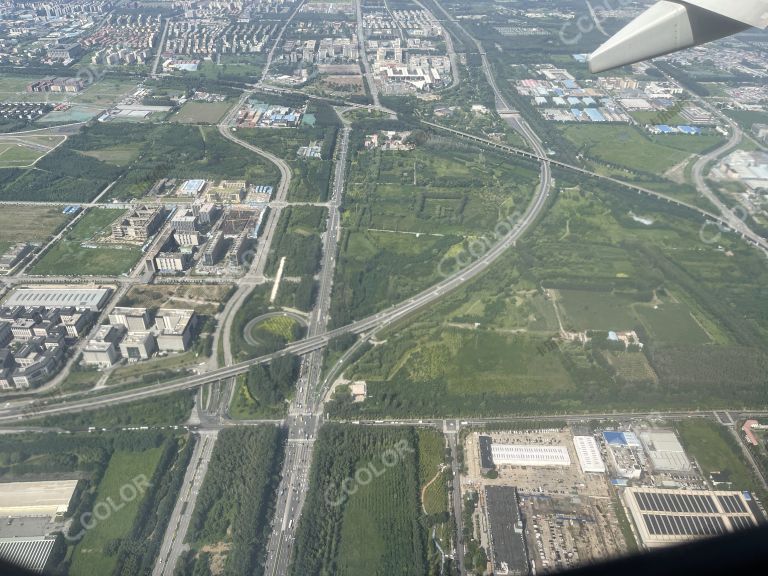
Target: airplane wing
x,y
672,25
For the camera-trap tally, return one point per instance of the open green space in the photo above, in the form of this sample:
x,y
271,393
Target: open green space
x,y
30,224
90,556
78,253
716,450
672,322
629,147
298,240
493,346
410,216
310,176
201,112
13,154
377,528
168,410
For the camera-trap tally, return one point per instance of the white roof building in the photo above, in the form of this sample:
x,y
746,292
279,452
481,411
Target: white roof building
x,y
588,453
528,455
665,451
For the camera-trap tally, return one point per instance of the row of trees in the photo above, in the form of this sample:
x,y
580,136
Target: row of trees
x,y
236,500
340,452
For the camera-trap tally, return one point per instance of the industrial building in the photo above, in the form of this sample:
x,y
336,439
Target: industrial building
x,y
26,499
83,298
625,454
588,453
529,455
665,451
32,511
507,537
663,517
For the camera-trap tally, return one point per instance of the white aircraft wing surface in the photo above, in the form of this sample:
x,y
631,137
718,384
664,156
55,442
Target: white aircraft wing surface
x,y
672,25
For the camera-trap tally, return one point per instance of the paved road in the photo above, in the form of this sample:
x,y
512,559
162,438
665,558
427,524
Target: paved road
x,y
173,541
370,80
305,416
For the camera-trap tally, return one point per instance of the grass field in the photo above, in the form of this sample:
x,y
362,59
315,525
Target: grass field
x,y
672,323
715,450
89,556
201,112
71,257
119,155
586,310
32,224
13,155
629,147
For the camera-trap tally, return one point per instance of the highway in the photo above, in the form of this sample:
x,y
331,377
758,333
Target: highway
x,y
173,542
305,417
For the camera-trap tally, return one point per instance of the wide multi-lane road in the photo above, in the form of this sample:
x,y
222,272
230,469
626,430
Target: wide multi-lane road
x,y
305,417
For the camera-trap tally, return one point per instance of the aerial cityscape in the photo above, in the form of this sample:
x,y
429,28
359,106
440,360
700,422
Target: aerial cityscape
x,y
379,287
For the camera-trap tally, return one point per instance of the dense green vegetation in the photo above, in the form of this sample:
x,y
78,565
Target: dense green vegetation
x,y
155,151
404,212
374,529
311,177
600,259
268,336
236,500
715,450
264,391
297,238
167,410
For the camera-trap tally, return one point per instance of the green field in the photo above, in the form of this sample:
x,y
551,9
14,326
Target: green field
x,y
411,217
628,147
12,154
716,450
484,349
78,253
375,529
235,503
89,556
201,112
586,310
32,224
672,323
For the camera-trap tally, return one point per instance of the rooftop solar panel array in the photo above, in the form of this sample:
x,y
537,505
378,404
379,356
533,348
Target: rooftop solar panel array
x,y
663,525
665,502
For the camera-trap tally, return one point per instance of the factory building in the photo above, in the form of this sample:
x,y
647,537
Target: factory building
x,y
663,517
83,298
529,455
588,453
665,451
